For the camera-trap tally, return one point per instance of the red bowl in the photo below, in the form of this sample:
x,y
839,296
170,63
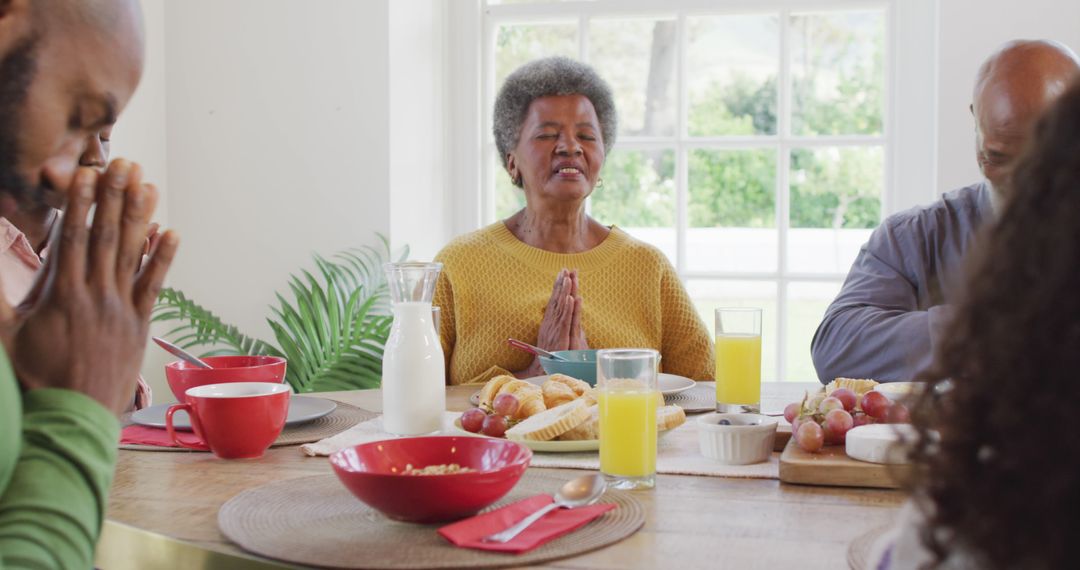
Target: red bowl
x,y
373,472
182,375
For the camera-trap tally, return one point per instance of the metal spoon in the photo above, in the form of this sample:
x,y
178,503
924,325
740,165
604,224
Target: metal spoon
x,y
579,492
183,354
534,350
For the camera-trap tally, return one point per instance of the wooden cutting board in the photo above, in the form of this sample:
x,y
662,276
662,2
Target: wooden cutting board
x,y
832,467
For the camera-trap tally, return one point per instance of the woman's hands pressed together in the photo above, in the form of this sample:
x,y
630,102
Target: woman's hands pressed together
x,y
562,327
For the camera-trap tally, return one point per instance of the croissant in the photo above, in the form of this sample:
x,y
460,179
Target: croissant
x,y
491,389
557,393
529,396
579,387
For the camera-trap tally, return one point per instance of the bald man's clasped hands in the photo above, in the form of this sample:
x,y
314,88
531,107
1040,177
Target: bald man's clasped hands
x,y
887,318
84,326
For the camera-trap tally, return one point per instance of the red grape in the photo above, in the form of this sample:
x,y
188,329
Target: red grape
x,y
837,424
791,411
846,397
505,404
495,426
472,420
829,404
810,436
899,414
795,423
861,420
875,404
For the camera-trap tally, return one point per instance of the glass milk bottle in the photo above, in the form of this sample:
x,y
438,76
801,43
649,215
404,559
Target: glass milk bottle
x,y
413,374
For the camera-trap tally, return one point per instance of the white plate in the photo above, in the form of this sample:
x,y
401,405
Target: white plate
x,y
302,409
551,446
669,384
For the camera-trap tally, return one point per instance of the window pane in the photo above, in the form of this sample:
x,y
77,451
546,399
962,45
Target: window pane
x,y
709,295
806,306
731,69
638,195
516,44
835,204
838,77
637,57
732,205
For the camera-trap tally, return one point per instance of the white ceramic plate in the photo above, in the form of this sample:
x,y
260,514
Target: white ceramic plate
x,y
302,409
672,384
669,384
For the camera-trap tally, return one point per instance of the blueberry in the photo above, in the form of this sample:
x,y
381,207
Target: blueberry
x,y
725,422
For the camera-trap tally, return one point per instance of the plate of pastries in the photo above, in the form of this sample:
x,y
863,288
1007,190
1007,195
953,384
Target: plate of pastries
x,y
557,413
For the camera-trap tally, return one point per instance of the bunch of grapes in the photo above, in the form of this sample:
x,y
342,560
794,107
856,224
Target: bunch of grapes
x,y
495,423
819,420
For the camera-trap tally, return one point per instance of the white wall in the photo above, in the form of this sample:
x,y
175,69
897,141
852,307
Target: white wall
x,y
970,31
419,217
275,128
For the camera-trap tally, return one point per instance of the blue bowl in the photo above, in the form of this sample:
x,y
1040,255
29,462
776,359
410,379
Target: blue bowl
x,y
581,364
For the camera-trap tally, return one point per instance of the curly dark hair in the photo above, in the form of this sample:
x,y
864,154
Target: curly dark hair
x,y
997,463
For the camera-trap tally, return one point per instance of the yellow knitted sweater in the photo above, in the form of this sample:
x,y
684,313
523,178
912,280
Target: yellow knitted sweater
x,y
493,287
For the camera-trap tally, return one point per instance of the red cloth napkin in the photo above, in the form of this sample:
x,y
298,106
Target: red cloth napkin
x,y
469,532
142,435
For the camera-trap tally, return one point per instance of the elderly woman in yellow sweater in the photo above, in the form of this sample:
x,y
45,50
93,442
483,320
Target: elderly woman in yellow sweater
x,y
550,274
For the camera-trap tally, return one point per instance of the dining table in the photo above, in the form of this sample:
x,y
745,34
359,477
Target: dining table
x,y
163,507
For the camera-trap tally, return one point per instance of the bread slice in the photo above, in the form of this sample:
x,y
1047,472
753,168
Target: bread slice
x,y
859,386
669,417
549,424
589,429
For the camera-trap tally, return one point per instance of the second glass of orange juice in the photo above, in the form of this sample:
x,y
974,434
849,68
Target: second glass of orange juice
x,y
738,360
627,399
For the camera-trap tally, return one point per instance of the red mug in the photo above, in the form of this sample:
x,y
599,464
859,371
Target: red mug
x,y
235,420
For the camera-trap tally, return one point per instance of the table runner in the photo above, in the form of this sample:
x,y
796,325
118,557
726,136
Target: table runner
x,y
677,452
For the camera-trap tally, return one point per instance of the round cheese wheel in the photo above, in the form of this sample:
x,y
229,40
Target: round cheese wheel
x,y
880,443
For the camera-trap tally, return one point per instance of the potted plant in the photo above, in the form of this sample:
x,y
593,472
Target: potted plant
x,y
332,332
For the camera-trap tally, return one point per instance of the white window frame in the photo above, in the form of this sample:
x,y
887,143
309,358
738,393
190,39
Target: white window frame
x,y
910,92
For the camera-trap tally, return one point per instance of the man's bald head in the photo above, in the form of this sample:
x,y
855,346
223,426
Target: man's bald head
x,y
1013,88
67,69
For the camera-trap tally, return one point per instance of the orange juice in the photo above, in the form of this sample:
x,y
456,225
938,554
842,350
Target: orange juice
x,y
738,369
627,432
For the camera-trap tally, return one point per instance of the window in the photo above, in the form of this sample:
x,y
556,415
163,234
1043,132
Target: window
x,y
754,141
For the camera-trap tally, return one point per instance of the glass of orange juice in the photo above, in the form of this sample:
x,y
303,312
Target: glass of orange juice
x,y
738,360
628,397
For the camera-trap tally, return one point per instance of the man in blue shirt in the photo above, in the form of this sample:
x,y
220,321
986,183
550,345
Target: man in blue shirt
x,y
887,318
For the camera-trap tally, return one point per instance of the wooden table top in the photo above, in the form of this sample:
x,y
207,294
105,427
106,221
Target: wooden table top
x,y
163,507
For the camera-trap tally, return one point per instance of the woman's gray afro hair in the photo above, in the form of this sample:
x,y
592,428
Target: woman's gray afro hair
x,y
542,78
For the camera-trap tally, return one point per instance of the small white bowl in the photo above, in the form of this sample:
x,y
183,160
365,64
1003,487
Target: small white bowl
x,y
747,439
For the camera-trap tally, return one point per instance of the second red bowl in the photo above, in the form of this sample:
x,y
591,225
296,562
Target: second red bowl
x,y
182,375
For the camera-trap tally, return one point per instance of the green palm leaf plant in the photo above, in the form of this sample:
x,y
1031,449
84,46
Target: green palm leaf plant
x,y
332,331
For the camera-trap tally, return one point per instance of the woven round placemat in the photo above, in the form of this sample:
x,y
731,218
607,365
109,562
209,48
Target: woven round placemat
x,y
859,550
342,418
697,400
316,521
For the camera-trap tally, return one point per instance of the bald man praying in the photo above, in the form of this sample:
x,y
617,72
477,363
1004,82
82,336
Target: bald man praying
x,y
886,320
